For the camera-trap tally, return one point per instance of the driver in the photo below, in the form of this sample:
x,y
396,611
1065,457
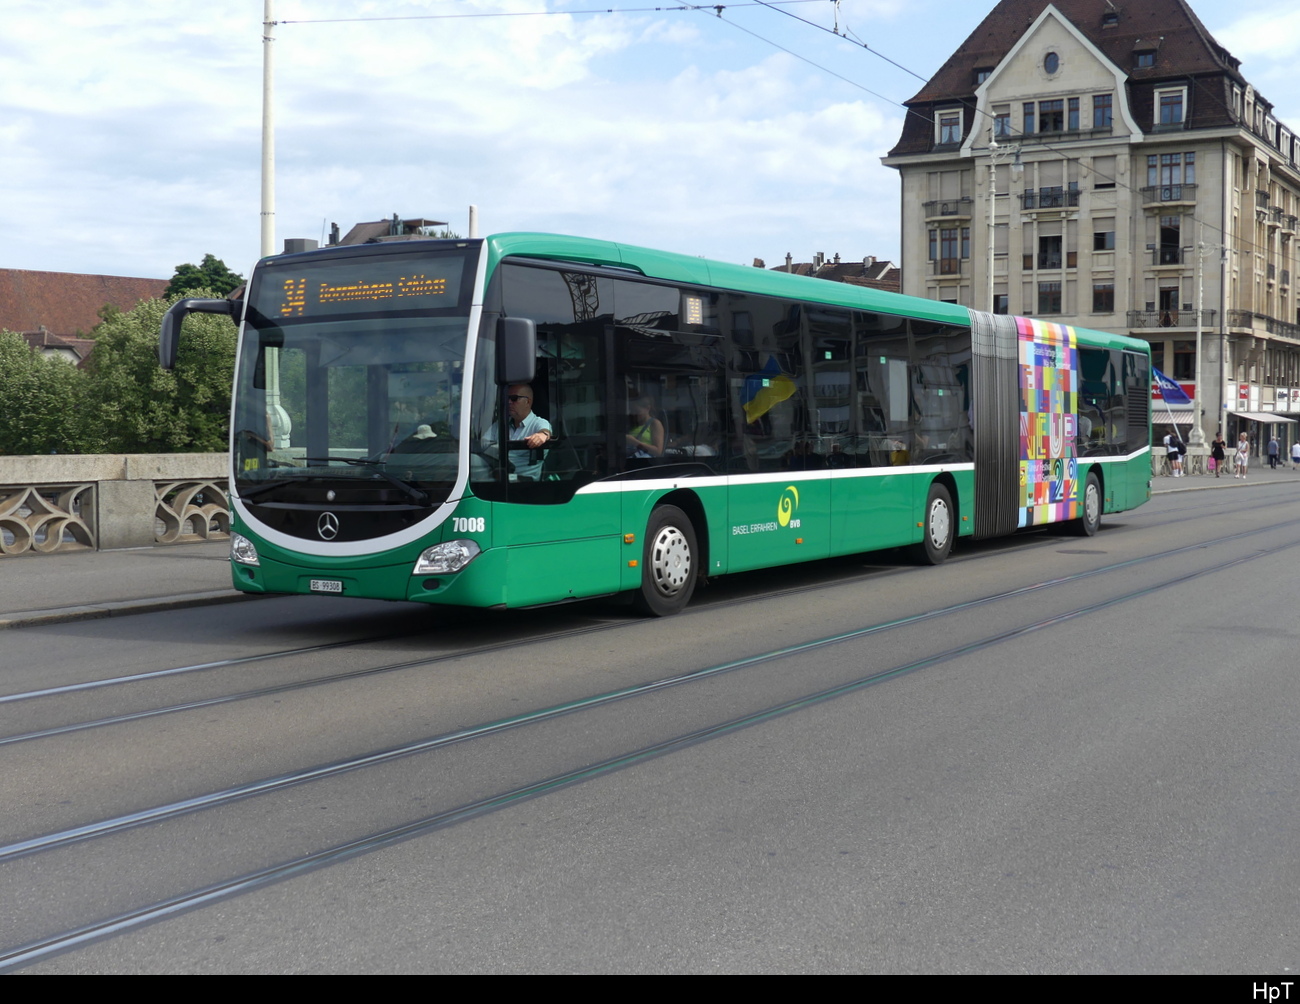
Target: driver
x,y
526,427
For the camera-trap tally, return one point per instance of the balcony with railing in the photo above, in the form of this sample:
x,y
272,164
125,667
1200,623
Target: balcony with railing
x,y
1169,318
1261,199
945,266
1170,256
1154,194
937,209
1273,217
1262,322
1050,198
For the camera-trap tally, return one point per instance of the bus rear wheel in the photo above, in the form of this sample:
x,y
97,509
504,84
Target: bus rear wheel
x,y
939,527
669,563
1089,523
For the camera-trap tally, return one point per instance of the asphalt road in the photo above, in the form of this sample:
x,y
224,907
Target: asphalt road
x,y
1052,754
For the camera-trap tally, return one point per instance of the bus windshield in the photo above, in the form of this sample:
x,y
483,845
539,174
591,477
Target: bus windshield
x,y
349,377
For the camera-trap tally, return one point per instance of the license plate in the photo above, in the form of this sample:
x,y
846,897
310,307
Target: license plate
x,y
326,586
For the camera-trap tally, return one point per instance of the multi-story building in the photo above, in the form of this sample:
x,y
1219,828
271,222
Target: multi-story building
x,y
1107,165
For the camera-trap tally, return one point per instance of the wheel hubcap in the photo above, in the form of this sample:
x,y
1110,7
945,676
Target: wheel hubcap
x,y
939,524
1093,504
670,560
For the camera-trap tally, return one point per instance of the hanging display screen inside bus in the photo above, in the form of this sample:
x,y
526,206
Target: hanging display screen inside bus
x,y
389,283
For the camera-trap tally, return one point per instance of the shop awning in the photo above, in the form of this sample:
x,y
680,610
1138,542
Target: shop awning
x,y
1263,416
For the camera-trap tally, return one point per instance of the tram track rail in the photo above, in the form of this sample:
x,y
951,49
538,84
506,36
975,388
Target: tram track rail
x,y
82,934
529,641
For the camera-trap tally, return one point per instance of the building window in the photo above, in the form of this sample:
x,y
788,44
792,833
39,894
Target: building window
x,y
948,249
1002,122
1001,303
1103,170
1184,360
1169,170
1049,251
949,128
1144,59
1110,19
1051,62
1170,106
1051,116
1028,129
982,74
1101,111
1049,297
934,245
1103,240
1103,298
1171,243
1072,115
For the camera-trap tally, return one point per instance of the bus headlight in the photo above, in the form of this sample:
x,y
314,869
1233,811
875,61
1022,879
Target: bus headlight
x,y
451,556
242,550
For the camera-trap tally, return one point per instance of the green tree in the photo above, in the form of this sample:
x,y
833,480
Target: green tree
x,y
212,276
41,400
133,405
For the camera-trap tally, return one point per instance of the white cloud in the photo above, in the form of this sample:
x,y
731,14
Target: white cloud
x,y
131,128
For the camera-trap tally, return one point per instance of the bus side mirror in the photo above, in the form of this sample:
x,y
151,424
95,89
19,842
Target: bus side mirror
x,y
170,330
516,350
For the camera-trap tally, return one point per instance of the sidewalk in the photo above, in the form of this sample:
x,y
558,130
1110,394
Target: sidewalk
x,y
1259,474
48,589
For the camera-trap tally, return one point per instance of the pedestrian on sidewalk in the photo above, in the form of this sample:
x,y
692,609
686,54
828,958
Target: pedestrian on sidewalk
x,y
1295,454
1242,457
1219,452
1174,450
1272,453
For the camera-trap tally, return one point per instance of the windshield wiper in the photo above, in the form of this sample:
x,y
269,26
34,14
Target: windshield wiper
x,y
419,497
270,486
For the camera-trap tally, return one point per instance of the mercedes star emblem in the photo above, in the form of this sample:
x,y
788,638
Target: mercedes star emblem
x,y
327,526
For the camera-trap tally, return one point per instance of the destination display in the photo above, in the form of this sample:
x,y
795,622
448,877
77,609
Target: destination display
x,y
359,287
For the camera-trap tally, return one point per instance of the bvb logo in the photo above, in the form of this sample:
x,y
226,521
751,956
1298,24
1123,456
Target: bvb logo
x,y
787,505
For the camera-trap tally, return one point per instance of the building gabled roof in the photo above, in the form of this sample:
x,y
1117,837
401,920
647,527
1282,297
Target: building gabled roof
x,y
47,343
66,303
1182,44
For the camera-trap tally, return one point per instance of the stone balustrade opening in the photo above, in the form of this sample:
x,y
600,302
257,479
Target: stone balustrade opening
x,y
61,503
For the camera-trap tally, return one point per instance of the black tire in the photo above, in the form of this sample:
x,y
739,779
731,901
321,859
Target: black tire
x,y
939,529
669,563
1089,523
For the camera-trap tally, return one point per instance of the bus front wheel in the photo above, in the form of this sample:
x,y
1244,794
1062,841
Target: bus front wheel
x,y
668,563
939,527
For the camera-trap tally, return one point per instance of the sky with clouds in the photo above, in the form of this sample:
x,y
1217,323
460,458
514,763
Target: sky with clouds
x,y
130,130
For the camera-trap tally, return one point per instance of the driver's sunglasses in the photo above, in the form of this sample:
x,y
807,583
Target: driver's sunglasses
x,y
512,398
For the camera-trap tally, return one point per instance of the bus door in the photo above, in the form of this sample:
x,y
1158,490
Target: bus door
x,y
668,401
779,472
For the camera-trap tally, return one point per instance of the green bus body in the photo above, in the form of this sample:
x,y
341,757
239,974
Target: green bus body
x,y
799,419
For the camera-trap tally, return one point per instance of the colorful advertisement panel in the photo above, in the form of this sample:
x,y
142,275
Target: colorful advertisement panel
x,y
1049,391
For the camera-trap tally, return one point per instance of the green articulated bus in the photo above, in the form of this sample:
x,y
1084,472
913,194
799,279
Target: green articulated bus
x,y
664,418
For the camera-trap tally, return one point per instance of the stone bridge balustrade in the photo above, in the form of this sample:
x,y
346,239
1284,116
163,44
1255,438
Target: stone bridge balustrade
x,y
60,503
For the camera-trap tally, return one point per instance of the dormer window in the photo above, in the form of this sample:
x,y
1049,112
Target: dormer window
x,y
1110,19
1144,59
1170,108
982,75
948,124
